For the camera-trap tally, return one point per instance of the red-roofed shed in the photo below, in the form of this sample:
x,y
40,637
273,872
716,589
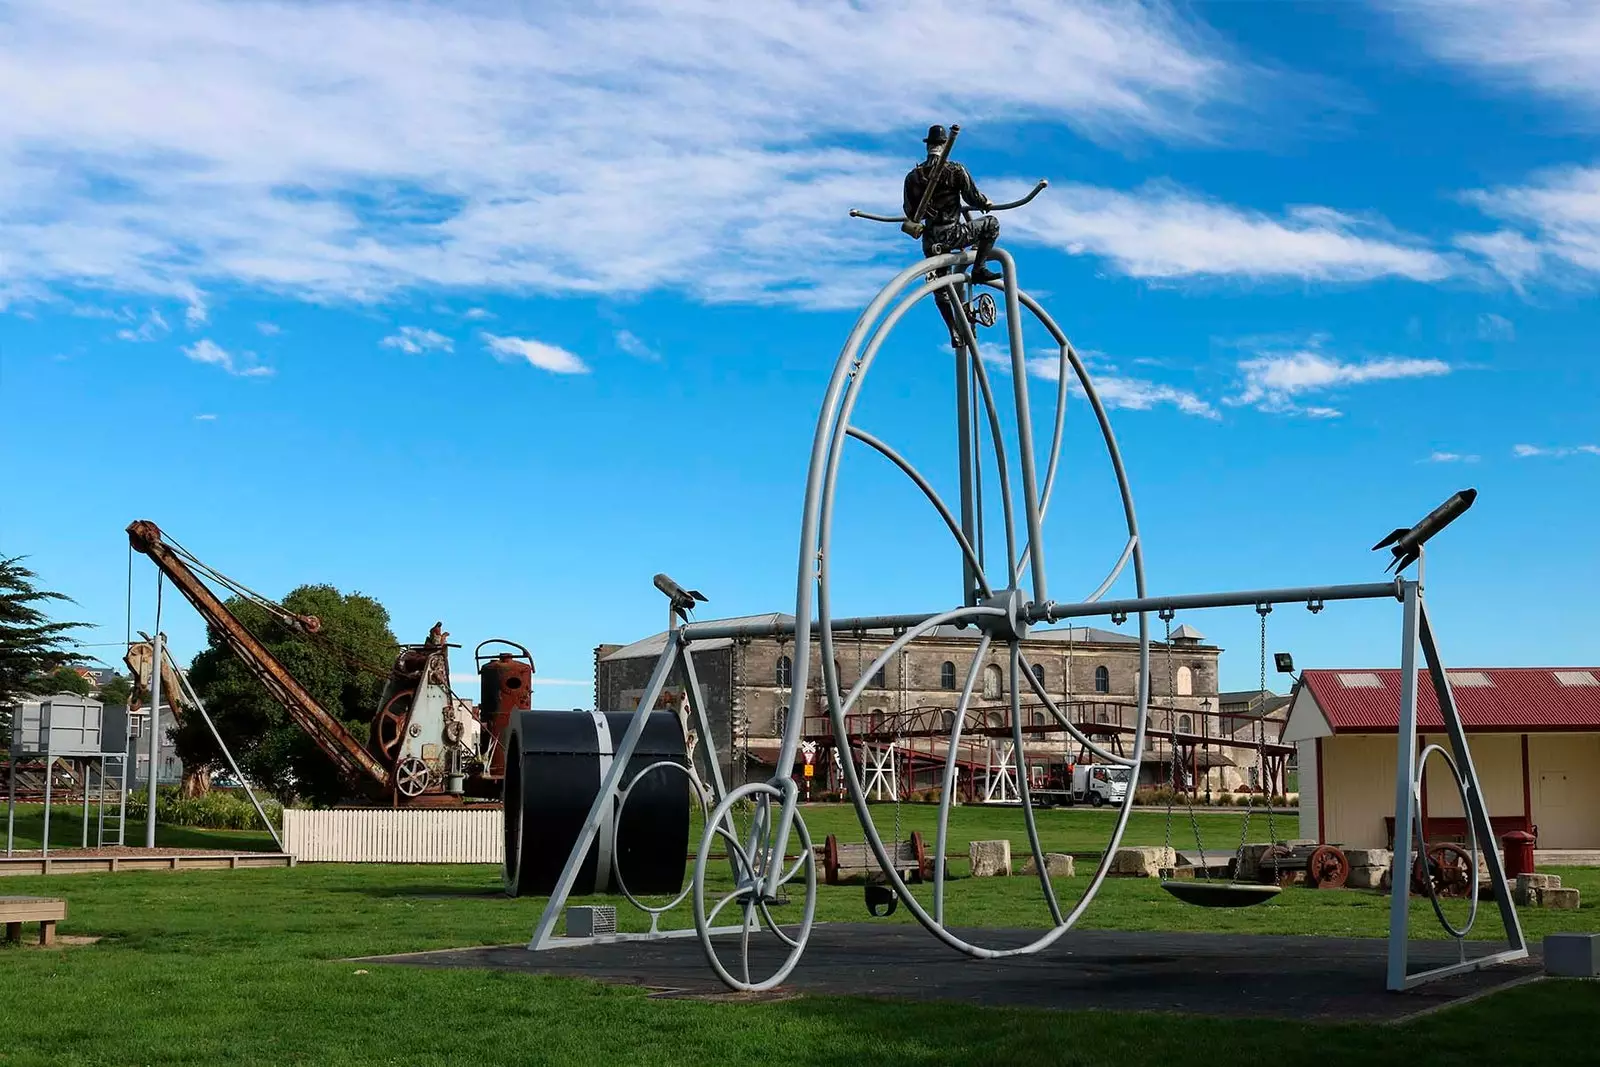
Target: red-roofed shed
x,y
1534,733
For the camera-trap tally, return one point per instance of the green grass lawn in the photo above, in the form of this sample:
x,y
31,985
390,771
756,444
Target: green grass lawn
x,y
244,967
66,831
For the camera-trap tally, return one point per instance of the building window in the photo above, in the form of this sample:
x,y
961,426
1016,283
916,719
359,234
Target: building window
x,y
1102,680
785,673
996,720
947,675
1103,717
880,680
991,682
1185,724
1185,681
1038,718
1038,674
876,720
949,720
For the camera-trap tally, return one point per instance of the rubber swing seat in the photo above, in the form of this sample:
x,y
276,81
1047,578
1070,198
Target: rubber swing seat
x,y
1219,894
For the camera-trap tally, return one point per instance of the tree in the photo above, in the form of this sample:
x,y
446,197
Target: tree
x,y
117,691
269,747
60,680
31,644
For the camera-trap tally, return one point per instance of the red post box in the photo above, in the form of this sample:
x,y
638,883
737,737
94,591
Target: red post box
x,y
1518,852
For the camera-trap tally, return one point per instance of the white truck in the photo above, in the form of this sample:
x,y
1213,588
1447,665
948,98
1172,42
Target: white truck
x,y
1082,783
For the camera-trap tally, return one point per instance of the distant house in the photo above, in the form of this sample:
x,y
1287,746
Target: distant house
x,y
1534,734
1243,709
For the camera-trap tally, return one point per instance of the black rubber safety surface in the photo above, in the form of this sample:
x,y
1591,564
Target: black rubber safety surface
x,y
1252,976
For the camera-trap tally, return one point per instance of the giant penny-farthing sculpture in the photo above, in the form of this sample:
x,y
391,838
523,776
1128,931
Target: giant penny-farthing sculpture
x,y
1001,594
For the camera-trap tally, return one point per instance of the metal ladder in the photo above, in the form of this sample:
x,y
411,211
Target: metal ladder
x,y
113,781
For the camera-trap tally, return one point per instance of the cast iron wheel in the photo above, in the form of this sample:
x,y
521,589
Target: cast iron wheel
x,y
389,728
1327,868
411,777
1450,868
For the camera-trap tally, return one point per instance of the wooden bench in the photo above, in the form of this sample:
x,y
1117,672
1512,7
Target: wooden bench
x,y
846,861
46,911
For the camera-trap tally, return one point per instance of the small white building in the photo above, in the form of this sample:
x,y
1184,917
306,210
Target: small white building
x,y
1534,733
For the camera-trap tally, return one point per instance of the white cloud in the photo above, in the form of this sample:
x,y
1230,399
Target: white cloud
x,y
630,343
1551,47
1492,327
1273,380
1450,457
205,418
269,329
1552,225
152,327
1530,451
628,146
1161,231
477,314
1115,391
196,315
415,340
544,356
209,352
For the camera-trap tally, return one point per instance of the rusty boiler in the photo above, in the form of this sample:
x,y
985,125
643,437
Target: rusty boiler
x,y
507,688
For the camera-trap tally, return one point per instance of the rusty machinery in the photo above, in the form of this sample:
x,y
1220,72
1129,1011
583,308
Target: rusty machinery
x,y
425,746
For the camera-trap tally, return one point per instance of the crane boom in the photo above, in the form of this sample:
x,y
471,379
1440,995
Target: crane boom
x,y
329,734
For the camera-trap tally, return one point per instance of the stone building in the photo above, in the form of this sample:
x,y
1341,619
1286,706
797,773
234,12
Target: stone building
x,y
748,688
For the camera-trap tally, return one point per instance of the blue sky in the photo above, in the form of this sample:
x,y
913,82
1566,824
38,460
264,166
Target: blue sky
x,y
511,306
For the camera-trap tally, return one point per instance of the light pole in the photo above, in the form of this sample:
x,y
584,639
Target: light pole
x,y
1205,739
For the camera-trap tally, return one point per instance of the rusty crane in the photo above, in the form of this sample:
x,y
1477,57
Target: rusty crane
x,y
426,746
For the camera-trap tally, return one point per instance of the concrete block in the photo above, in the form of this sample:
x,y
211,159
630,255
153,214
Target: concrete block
x,y
1142,861
1565,899
1529,887
1058,864
1367,878
1572,955
990,859
1369,857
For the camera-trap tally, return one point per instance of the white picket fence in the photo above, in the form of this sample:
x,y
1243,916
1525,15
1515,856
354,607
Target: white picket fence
x,y
384,835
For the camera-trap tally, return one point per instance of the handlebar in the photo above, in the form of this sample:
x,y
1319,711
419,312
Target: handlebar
x,y
1038,188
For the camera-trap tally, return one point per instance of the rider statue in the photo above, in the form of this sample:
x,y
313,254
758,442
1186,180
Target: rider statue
x,y
941,224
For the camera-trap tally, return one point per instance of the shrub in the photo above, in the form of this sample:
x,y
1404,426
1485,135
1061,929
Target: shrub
x,y
220,809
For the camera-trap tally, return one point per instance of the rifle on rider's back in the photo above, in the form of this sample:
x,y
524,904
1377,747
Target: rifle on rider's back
x,y
913,224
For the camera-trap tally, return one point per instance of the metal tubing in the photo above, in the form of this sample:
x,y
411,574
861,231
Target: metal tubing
x,y
1244,598
1477,807
969,570
85,765
946,794
11,790
194,700
154,744
49,773
607,794
697,706
973,565
1116,571
1025,459
1405,786
1025,789
1002,470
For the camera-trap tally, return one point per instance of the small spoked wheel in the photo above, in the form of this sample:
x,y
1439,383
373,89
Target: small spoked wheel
x,y
763,932
982,310
411,777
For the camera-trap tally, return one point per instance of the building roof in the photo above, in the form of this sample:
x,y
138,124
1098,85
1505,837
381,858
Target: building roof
x,y
1257,703
651,646
1489,699
1185,632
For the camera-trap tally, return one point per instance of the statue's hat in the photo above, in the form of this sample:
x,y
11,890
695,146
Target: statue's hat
x,y
936,135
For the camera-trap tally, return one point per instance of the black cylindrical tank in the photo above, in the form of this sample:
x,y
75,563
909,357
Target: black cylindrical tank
x,y
555,761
